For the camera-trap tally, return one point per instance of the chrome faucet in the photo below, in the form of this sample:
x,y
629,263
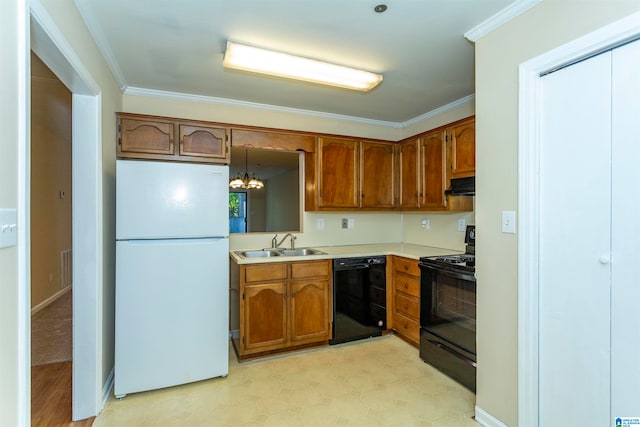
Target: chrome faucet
x,y
275,243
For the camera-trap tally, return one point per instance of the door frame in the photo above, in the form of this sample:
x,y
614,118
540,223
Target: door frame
x,y
530,109
49,43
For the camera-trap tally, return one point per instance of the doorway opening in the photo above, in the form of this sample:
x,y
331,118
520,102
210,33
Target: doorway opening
x,y
51,247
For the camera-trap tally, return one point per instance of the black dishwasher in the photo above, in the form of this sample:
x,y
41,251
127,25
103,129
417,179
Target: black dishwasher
x,y
359,298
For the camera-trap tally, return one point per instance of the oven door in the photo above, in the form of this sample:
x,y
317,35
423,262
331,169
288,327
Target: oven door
x,y
448,305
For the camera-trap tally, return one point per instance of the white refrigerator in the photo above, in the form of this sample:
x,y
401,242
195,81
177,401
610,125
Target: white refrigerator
x,y
172,272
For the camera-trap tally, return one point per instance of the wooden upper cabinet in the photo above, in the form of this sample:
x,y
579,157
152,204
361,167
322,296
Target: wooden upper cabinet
x,y
433,170
145,136
377,177
409,176
150,137
461,139
338,170
203,141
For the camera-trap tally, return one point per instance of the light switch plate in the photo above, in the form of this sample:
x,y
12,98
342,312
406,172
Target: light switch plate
x,y
320,224
8,228
509,222
351,223
462,224
426,224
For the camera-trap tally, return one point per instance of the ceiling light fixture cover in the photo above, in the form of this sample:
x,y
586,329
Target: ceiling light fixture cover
x,y
248,58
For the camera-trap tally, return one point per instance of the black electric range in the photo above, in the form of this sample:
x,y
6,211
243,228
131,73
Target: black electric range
x,y
448,313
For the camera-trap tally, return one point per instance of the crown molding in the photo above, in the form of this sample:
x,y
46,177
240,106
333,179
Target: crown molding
x,y
177,96
93,25
469,99
136,91
505,15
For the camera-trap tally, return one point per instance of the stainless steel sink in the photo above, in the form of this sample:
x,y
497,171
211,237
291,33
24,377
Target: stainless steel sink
x,y
300,252
259,254
267,253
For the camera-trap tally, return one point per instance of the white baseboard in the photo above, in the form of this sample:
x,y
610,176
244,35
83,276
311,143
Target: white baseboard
x,y
107,389
486,419
50,300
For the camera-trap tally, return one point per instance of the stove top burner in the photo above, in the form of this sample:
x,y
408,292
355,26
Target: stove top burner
x,y
456,259
462,261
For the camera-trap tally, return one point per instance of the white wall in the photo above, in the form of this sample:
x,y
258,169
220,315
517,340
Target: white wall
x,y
498,54
14,59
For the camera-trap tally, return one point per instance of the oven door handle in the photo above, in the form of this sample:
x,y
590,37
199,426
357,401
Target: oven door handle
x,y
454,353
450,273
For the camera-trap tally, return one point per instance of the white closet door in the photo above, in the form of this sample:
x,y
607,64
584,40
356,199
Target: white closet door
x,y
625,303
574,294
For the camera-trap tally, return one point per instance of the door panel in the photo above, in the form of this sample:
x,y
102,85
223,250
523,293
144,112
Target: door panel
x,y
574,295
625,291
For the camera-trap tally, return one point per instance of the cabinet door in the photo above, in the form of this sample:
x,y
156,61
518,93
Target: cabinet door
x,y
154,137
462,150
204,141
377,164
409,173
433,170
338,173
265,316
310,310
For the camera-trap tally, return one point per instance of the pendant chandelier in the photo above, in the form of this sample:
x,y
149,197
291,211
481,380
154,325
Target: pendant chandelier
x,y
244,181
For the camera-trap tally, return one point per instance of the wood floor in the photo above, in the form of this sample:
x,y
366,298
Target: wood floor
x,y
51,396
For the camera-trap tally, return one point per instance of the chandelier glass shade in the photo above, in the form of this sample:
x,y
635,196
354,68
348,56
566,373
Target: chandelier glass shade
x,y
244,181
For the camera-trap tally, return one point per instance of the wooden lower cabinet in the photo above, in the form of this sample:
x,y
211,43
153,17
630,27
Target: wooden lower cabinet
x,y
283,305
406,299
265,316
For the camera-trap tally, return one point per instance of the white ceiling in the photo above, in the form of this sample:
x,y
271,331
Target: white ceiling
x,y
177,46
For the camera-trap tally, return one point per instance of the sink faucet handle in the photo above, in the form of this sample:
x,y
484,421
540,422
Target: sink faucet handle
x,y
293,240
274,241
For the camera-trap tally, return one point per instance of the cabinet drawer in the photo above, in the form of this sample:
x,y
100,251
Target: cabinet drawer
x,y
407,284
265,272
406,265
407,306
406,327
303,269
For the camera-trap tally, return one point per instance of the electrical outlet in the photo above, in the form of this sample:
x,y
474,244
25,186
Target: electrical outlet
x,y
462,225
426,224
509,222
345,223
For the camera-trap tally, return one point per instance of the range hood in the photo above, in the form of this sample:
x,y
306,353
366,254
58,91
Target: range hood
x,y
462,187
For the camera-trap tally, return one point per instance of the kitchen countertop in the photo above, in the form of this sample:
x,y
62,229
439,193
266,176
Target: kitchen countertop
x,y
399,249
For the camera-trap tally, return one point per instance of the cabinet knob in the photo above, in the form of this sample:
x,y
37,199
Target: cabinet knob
x,y
406,326
406,285
406,267
406,306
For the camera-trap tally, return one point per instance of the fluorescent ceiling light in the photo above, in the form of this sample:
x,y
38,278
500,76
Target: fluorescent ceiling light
x,y
247,58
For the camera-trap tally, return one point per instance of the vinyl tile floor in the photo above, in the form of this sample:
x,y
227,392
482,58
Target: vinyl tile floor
x,y
377,382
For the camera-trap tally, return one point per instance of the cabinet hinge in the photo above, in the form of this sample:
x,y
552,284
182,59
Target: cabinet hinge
x,y
243,296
